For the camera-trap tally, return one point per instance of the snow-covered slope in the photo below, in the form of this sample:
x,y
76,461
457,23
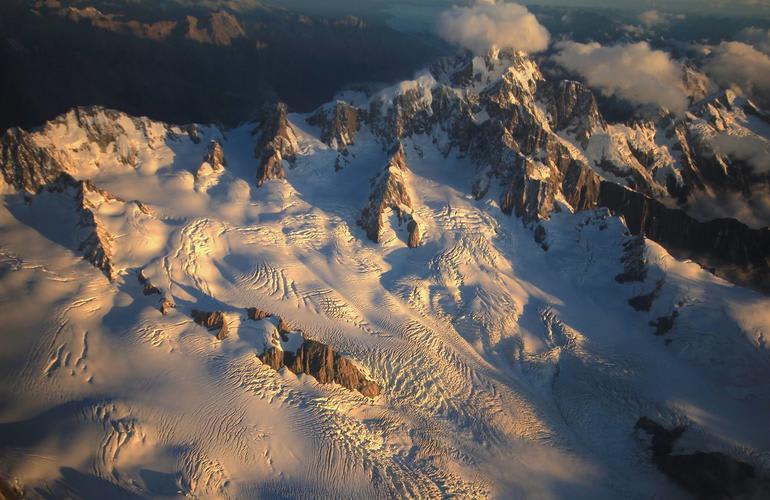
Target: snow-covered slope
x,y
227,340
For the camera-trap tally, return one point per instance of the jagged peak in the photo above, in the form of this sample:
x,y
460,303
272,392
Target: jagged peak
x,y
277,143
215,156
390,192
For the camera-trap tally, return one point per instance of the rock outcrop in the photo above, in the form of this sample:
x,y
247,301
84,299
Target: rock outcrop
x,y
149,288
166,304
339,124
322,363
311,357
390,192
213,321
257,314
277,143
166,301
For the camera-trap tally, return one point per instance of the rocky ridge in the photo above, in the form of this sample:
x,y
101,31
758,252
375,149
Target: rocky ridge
x,y
390,192
544,146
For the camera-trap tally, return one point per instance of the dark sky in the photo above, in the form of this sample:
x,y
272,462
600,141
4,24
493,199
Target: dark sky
x,y
725,7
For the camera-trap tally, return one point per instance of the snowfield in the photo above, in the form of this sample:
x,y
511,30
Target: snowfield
x,y
507,370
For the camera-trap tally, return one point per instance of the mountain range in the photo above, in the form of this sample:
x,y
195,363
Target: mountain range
x,y
470,283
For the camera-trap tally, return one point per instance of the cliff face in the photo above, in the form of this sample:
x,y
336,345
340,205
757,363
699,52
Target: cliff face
x,y
24,165
573,109
322,363
727,247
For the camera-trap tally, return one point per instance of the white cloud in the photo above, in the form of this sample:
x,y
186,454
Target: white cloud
x,y
740,65
487,24
634,72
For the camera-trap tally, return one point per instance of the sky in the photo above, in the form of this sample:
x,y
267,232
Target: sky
x,y
724,7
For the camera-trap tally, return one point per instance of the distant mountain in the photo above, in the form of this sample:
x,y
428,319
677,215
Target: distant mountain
x,y
184,63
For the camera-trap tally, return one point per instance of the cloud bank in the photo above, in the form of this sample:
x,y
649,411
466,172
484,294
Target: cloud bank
x,y
738,64
634,72
487,24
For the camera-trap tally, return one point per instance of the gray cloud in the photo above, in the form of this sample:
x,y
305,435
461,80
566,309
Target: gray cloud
x,y
756,37
634,72
487,24
651,18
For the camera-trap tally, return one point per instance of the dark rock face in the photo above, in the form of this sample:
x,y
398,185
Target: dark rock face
x,y
149,288
25,165
634,261
573,108
664,324
726,246
257,314
644,302
322,363
220,28
389,191
277,142
214,321
529,196
580,186
339,125
706,475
